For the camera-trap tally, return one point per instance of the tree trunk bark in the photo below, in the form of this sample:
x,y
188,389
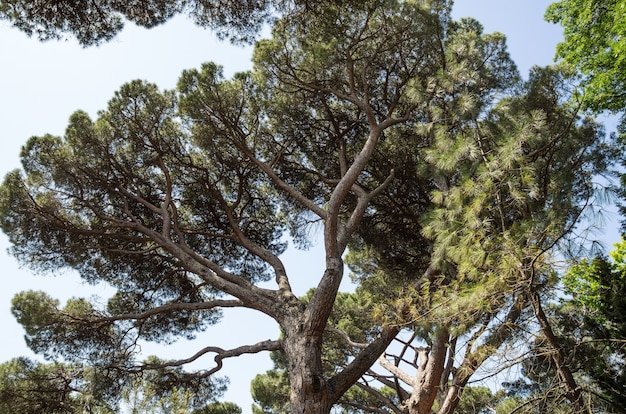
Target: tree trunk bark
x,y
309,389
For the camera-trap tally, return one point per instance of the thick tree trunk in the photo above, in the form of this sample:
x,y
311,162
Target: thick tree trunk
x,y
309,389
311,392
303,345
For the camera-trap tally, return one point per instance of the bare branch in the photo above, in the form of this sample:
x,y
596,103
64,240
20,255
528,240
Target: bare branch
x,y
357,214
222,354
346,338
380,397
397,372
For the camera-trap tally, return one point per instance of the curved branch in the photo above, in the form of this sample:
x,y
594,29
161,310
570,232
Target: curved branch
x,y
392,383
573,391
357,214
252,296
222,354
380,397
397,372
475,358
346,338
269,171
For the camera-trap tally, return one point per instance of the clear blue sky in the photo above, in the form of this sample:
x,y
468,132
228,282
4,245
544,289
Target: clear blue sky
x,y
41,84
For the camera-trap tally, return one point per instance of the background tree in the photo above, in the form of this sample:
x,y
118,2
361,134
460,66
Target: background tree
x,y
219,408
594,43
28,387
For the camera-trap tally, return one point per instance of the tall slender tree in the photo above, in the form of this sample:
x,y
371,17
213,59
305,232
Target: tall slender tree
x,y
589,322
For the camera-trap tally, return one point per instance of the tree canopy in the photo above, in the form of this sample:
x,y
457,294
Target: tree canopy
x,y
94,22
97,21
595,44
407,137
29,387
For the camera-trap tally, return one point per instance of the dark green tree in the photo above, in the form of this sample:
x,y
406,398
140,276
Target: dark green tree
x,y
478,400
160,391
97,21
29,387
401,132
33,387
94,22
219,408
270,391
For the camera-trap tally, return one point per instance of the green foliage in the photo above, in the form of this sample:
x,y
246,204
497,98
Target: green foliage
x,y
508,406
79,183
359,401
77,332
594,43
270,392
478,400
95,22
598,287
408,135
219,408
29,387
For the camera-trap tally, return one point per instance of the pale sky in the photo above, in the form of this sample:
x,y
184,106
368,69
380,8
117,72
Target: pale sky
x,y
42,84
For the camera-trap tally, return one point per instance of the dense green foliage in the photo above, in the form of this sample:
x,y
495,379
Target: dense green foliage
x,y
595,43
29,387
219,408
94,22
595,318
407,136
98,21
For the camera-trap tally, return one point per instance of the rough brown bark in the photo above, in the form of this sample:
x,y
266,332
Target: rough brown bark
x,y
309,390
